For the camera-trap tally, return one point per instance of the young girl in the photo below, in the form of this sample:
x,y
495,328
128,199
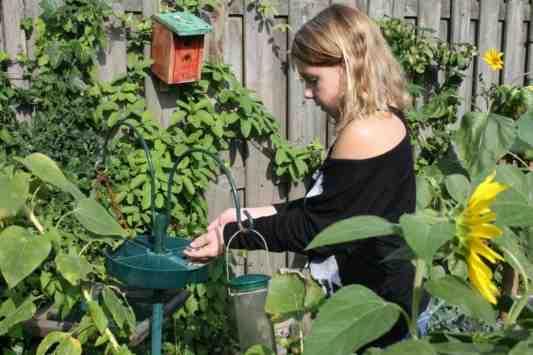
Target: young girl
x,y
350,73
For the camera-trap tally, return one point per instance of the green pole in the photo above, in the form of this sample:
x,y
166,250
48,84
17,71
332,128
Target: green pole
x,y
156,328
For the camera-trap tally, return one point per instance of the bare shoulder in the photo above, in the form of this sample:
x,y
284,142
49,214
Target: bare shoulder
x,y
368,138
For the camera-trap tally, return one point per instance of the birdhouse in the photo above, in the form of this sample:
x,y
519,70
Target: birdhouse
x,y
178,46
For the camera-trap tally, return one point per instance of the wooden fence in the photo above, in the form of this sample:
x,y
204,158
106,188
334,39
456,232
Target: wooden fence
x,y
258,56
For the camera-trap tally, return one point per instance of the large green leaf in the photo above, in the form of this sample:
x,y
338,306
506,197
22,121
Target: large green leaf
x,y
513,214
96,219
525,128
47,170
457,292
351,318
51,339
286,296
11,315
13,194
458,187
351,229
529,183
423,192
458,348
523,347
69,346
21,253
98,316
314,294
122,315
408,347
259,350
509,243
482,139
74,268
513,177
423,238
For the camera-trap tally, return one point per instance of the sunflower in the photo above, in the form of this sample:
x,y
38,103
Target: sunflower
x,y
475,228
494,59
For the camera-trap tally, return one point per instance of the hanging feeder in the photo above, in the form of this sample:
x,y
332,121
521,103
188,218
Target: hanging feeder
x,y
154,260
178,46
248,295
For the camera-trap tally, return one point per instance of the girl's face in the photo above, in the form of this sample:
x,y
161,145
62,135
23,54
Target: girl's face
x,y
323,85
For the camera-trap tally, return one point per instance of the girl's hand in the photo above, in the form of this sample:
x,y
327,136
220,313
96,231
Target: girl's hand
x,y
207,246
228,216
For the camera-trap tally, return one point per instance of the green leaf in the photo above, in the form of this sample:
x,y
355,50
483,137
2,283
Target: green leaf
x,y
121,314
51,339
410,347
510,243
96,219
513,214
286,296
259,350
13,194
458,187
457,292
98,316
351,318
423,238
69,346
74,268
246,127
525,128
21,253
314,295
47,170
513,177
11,315
352,229
483,139
523,347
423,192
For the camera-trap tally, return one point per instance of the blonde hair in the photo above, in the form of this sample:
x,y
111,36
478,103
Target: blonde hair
x,y
373,79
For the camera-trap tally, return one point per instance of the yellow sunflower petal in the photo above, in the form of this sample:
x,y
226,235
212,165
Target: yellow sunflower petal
x,y
485,231
478,246
481,280
479,219
485,192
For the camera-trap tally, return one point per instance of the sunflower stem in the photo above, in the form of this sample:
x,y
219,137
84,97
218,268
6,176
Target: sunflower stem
x,y
518,305
417,295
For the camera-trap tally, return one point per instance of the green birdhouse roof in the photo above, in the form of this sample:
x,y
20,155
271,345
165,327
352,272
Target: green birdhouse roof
x,y
183,23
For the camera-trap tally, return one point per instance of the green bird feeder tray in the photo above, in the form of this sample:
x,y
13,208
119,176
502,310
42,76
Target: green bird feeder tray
x,y
155,260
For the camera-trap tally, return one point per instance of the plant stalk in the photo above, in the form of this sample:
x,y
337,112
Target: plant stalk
x,y
417,295
107,332
34,220
519,305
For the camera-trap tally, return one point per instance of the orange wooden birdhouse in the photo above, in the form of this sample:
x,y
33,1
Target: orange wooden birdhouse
x,y
178,46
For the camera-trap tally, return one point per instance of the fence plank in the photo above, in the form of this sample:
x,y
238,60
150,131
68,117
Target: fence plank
x,y
351,3
15,41
429,14
214,41
14,44
32,10
264,73
530,48
362,5
306,120
380,8
113,59
460,33
488,38
514,49
398,8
